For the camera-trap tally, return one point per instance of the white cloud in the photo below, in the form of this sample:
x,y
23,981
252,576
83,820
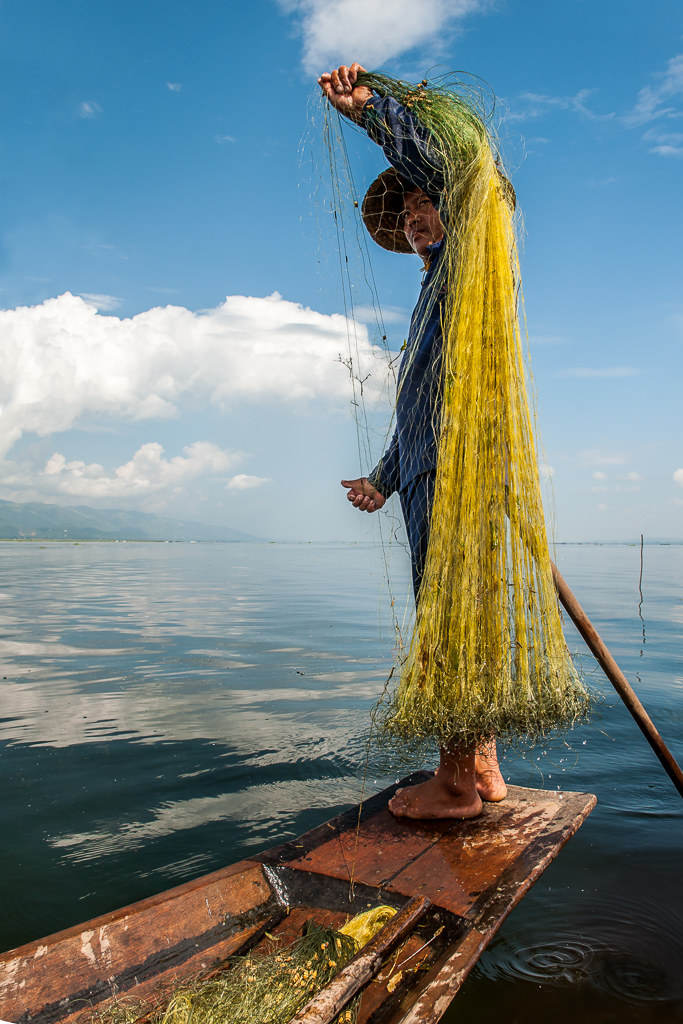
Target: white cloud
x,y
89,110
659,99
104,303
678,476
225,138
532,105
657,104
62,360
373,31
597,371
665,143
146,473
174,86
243,482
599,475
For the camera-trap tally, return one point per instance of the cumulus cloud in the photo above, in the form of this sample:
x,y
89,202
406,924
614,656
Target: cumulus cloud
x,y
145,473
62,360
678,476
174,86
372,31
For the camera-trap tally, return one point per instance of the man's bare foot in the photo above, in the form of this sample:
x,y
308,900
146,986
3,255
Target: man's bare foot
x,y
490,782
451,793
431,799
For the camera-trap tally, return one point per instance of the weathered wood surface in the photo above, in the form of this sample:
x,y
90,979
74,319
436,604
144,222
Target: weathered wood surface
x,y
143,948
473,873
478,870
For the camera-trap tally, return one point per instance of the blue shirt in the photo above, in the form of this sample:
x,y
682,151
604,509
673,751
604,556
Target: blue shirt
x,y
414,446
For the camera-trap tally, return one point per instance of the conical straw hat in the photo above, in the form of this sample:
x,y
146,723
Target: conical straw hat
x,y
384,203
382,208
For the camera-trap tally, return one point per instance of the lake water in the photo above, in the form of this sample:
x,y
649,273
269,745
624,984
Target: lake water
x,y
166,709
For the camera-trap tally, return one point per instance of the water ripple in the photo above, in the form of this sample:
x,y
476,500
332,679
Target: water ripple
x,y
619,946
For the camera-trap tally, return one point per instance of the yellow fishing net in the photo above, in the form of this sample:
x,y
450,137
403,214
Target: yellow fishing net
x,y
265,988
487,654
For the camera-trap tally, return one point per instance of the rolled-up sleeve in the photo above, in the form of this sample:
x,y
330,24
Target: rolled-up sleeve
x,y
386,476
405,143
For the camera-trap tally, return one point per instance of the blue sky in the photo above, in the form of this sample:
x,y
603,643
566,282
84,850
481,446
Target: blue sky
x,y
169,285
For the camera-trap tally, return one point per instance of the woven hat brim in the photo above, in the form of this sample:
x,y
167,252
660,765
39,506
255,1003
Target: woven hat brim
x,y
382,209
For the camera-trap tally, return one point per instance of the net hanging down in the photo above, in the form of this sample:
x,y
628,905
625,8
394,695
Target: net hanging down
x,y
487,654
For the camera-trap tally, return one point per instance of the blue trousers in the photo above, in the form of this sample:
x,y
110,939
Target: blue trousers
x,y
416,505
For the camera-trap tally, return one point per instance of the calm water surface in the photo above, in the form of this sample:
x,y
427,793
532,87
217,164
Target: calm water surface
x,y
166,709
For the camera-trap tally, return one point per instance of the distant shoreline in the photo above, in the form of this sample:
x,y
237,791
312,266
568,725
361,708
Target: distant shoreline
x,y
258,540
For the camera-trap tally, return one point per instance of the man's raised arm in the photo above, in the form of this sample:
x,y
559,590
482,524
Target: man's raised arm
x,y
341,90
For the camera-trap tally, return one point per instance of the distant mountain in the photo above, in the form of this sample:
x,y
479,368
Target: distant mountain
x,y
35,521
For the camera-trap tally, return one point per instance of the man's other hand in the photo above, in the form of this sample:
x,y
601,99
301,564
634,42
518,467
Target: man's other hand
x,y
363,495
341,90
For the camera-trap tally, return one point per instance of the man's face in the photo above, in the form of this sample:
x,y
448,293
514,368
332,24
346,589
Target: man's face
x,y
420,222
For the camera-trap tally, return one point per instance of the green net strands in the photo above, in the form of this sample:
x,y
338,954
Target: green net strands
x,y
267,988
487,653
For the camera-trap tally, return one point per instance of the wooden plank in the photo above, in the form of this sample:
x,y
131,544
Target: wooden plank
x,y
493,906
134,949
472,857
294,849
375,851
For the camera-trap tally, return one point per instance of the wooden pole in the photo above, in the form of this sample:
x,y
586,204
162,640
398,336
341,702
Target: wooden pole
x,y
617,679
325,1006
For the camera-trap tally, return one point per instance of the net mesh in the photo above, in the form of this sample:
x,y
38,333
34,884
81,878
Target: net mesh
x,y
487,654
266,987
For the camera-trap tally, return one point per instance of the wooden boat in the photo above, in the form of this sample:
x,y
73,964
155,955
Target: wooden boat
x,y
471,875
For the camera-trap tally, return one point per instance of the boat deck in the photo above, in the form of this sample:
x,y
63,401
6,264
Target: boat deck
x,y
472,872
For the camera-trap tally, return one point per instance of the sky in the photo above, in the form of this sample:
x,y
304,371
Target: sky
x,y
174,337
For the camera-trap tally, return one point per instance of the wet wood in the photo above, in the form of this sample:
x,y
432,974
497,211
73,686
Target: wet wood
x,y
136,950
324,1007
473,873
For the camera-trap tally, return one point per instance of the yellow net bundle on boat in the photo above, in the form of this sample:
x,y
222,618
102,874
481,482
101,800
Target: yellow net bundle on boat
x,y
264,987
487,653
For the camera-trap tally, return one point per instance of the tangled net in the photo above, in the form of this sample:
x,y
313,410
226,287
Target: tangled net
x,y
487,654
269,988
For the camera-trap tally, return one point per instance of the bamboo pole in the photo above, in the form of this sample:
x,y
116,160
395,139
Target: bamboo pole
x,y
325,1006
617,679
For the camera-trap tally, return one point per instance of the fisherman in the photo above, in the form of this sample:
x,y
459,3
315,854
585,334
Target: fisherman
x,y
401,213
